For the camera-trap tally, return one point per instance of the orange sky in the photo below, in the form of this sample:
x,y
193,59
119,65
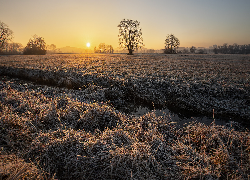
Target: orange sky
x,y
76,22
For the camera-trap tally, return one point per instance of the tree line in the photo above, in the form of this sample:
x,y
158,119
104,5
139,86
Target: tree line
x,y
224,49
130,38
232,49
104,48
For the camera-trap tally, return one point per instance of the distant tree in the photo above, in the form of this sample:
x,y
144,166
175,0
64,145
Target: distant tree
x,y
171,44
215,50
150,51
202,51
103,48
130,35
13,48
110,49
52,47
36,46
5,35
185,51
233,49
236,48
224,48
247,49
192,49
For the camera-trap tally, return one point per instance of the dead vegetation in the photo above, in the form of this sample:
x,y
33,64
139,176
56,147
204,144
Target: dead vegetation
x,y
193,83
71,133
63,138
12,167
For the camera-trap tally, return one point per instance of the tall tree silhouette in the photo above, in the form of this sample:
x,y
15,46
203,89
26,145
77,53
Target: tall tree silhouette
x,y
36,46
130,35
5,35
171,43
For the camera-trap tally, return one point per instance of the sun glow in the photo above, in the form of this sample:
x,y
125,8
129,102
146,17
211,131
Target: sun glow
x,y
88,44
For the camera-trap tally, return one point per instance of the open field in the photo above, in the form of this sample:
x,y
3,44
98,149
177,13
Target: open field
x,y
183,83
69,123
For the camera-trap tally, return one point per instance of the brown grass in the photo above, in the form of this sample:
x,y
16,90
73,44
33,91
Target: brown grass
x,y
12,167
50,136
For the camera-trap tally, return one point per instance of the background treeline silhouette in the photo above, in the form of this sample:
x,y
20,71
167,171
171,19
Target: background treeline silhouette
x,y
37,45
104,48
232,49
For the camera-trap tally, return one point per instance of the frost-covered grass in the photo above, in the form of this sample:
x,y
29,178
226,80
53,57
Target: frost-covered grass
x,y
73,130
45,135
193,83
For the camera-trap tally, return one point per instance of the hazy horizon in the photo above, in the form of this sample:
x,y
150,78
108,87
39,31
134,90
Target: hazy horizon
x,y
75,23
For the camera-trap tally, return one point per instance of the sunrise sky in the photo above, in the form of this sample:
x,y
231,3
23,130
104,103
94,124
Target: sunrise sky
x,y
200,23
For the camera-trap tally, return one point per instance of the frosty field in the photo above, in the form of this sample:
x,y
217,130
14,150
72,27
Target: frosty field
x,y
184,83
69,116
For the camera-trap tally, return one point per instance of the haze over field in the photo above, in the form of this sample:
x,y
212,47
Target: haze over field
x,y
74,23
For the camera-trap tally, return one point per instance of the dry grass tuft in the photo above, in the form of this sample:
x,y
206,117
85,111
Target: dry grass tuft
x,y
12,167
214,151
69,139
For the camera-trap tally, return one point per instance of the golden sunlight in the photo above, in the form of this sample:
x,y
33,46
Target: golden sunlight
x,y
88,44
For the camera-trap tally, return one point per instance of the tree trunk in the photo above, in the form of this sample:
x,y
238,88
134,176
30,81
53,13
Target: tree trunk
x,y
130,52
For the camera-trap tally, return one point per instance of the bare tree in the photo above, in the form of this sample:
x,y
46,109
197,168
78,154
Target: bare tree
x,y
192,49
13,48
110,49
225,48
130,35
5,35
171,43
51,48
36,46
103,48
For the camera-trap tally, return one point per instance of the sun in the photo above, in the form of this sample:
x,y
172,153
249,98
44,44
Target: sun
x,y
88,44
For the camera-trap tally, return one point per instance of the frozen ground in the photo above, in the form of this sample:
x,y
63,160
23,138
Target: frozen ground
x,y
67,120
192,85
